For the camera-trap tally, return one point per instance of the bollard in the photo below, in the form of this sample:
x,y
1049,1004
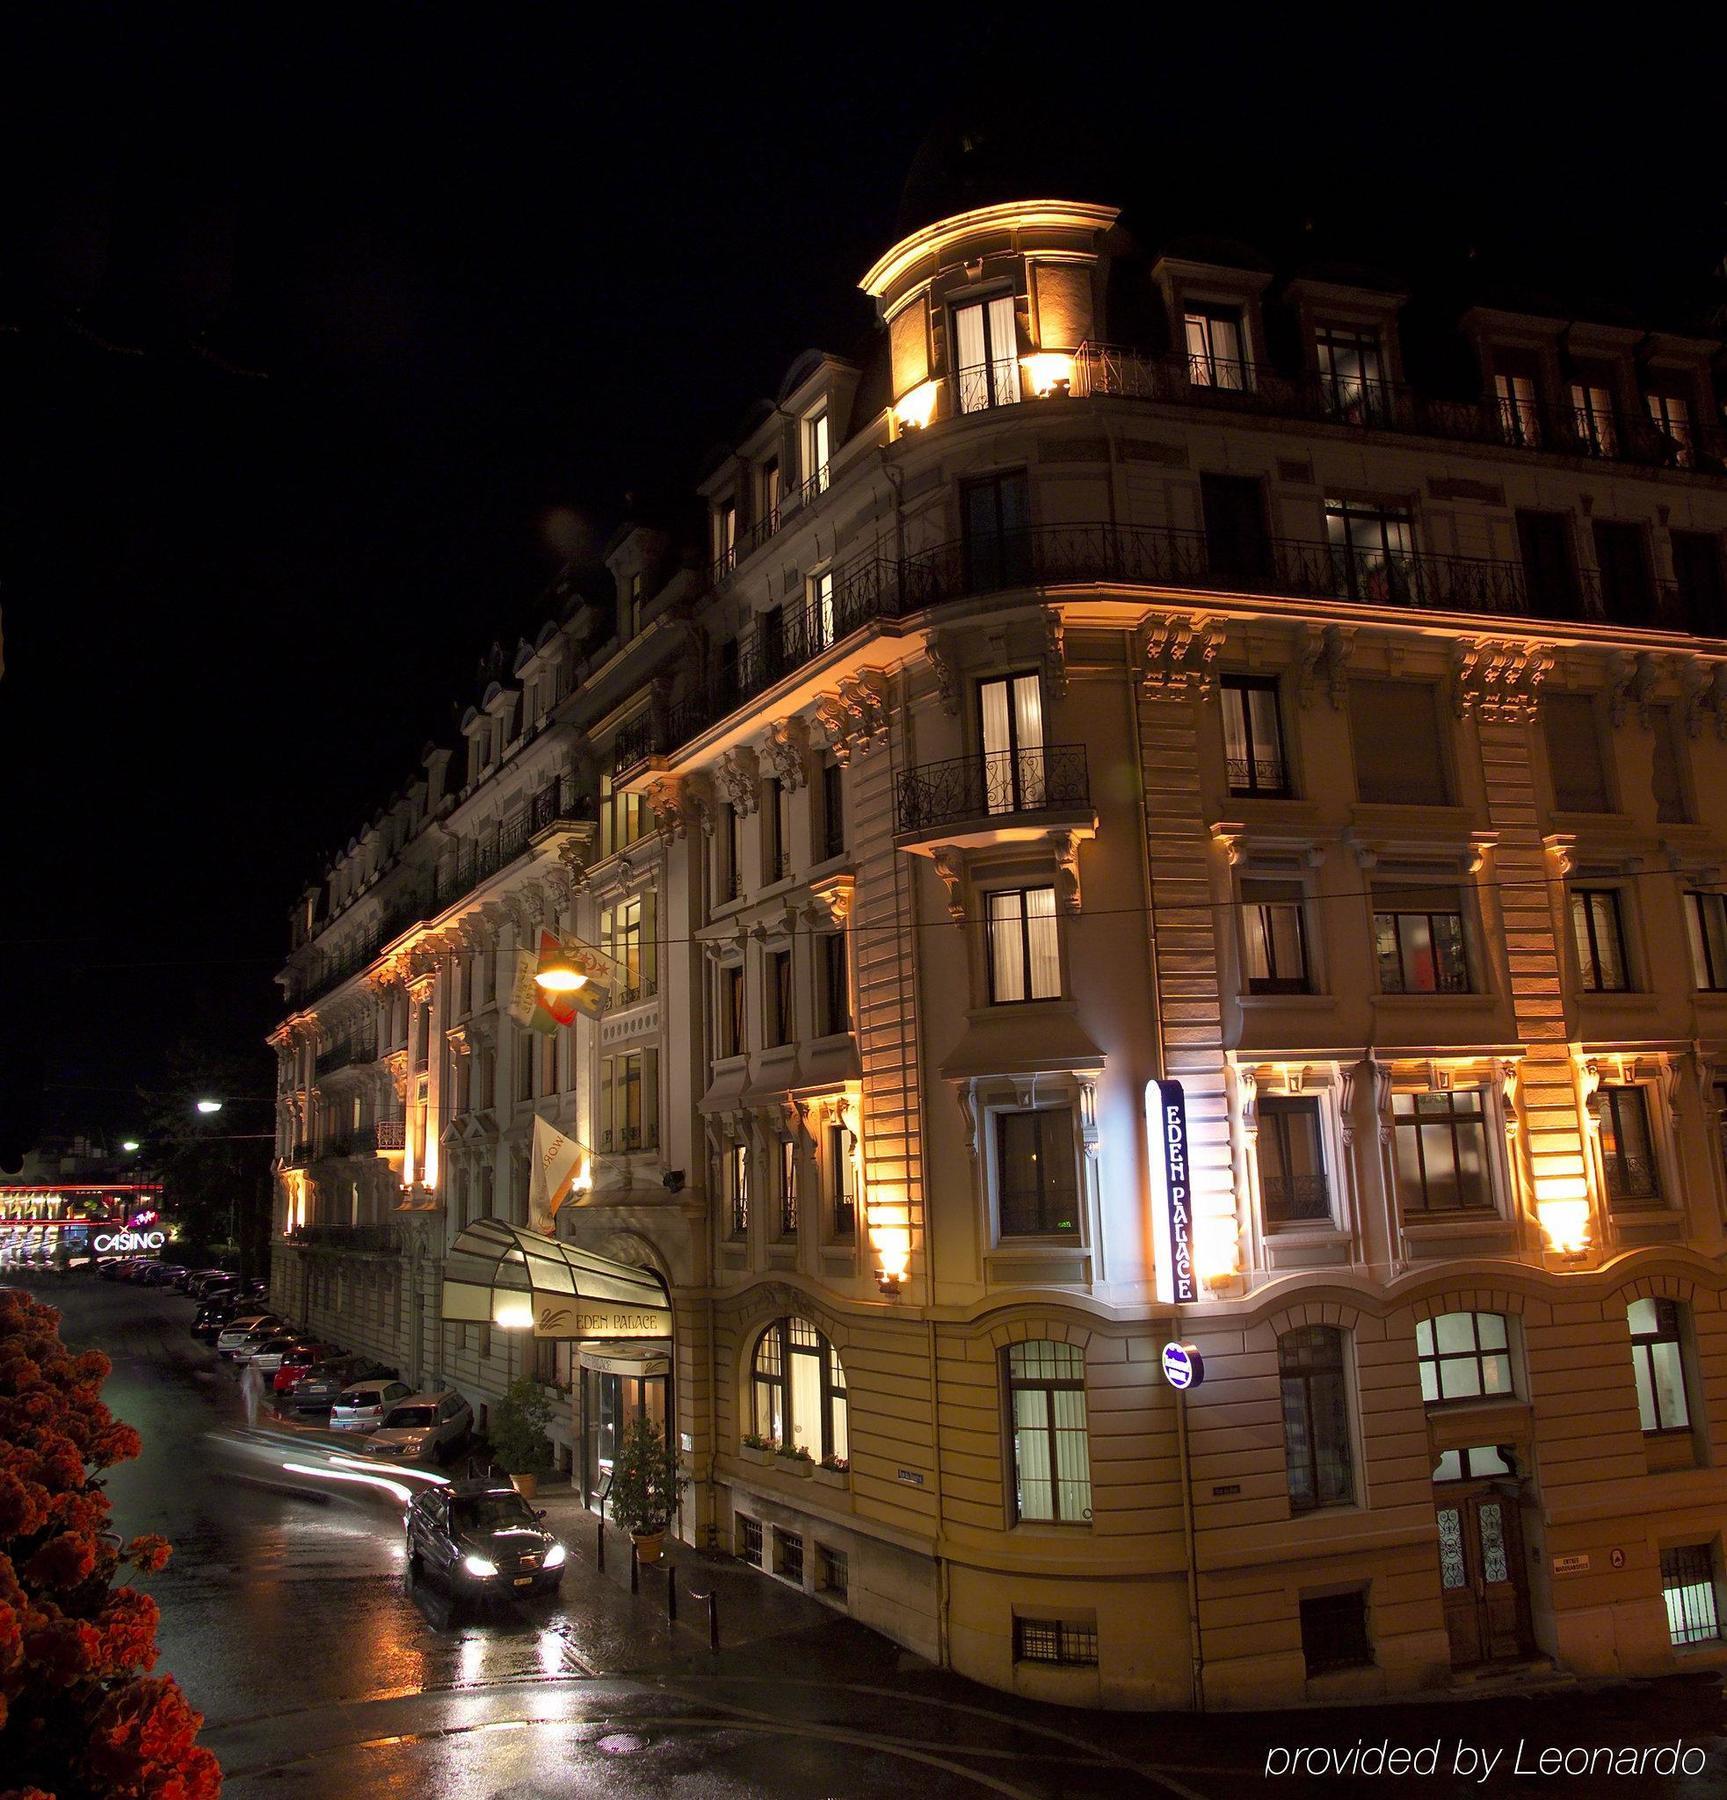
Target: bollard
x,y
600,1548
713,1601
671,1593
635,1569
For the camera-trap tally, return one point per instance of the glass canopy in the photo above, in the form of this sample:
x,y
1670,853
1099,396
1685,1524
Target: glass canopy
x,y
506,1275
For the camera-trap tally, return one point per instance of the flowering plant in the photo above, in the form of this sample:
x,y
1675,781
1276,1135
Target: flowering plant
x,y
753,1440
795,1453
840,1465
79,1715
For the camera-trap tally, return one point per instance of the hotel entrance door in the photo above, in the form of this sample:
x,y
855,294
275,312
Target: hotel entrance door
x,y
616,1390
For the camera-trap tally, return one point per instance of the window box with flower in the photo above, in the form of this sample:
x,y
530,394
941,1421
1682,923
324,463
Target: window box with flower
x,y
794,1459
836,1471
754,1448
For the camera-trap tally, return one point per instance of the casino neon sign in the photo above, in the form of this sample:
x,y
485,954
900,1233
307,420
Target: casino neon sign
x,y
128,1241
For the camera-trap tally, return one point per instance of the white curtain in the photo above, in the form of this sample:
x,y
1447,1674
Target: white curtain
x,y
806,1420
1028,739
1041,943
1004,351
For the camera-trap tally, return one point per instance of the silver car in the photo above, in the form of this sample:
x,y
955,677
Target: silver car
x,y
423,1426
234,1333
362,1406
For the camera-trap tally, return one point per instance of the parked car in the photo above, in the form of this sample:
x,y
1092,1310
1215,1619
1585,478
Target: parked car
x,y
482,1538
297,1362
362,1406
243,1326
321,1386
158,1275
208,1285
180,1278
267,1352
423,1426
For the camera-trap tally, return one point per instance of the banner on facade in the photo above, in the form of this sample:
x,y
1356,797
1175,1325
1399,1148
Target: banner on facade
x,y
1171,1192
561,1166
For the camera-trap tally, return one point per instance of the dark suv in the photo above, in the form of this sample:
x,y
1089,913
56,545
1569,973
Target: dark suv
x,y
323,1382
482,1537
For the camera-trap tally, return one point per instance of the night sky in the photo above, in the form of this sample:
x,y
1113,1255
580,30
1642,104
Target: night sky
x,y
318,334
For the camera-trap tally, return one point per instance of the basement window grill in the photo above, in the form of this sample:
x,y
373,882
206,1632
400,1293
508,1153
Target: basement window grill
x,y
1334,1632
1055,1641
1688,1587
789,1555
750,1540
833,1568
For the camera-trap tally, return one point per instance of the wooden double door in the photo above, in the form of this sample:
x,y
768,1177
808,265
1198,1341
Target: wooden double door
x,y
1483,1576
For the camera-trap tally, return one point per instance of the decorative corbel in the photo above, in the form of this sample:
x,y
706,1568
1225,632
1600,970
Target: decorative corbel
x,y
1498,679
739,774
1229,835
1561,848
1324,653
1064,845
938,647
831,901
1695,678
962,1092
949,864
1480,843
1346,1078
1054,652
1366,856
1247,1087
1089,1134
1631,682
786,747
1383,1088
1175,655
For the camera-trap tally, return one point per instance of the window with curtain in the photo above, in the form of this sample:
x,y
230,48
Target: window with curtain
x,y
1293,1187
788,1188
1670,413
1036,1173
1519,396
1024,955
1706,925
1274,937
1419,940
1399,757
1599,937
1010,728
778,970
1658,1362
1253,736
1352,373
1627,1149
1372,552
816,452
842,1203
799,1390
986,354
1051,1442
1315,1396
1594,418
738,1188
1216,347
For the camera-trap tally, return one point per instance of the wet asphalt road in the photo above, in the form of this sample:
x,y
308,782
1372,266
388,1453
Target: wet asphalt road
x,y
286,1617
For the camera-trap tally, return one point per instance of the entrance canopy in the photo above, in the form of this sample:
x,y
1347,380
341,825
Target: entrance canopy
x,y
506,1275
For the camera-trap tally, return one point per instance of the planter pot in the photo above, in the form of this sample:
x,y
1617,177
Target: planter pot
x,y
796,1465
525,1485
839,1478
751,1454
649,1545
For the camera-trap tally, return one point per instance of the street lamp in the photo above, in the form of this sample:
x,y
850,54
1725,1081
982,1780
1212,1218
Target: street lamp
x,y
209,1106
558,973
129,1145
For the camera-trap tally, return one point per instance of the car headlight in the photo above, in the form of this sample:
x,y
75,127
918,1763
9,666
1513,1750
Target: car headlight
x,y
555,1557
479,1565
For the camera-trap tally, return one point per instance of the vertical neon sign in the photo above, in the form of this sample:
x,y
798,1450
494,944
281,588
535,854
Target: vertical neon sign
x,y
1171,1191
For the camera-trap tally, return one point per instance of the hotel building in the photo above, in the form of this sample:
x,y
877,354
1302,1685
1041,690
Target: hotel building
x,y
1141,663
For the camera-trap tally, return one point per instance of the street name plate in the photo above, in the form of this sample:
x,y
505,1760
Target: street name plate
x,y
1571,1565
911,1477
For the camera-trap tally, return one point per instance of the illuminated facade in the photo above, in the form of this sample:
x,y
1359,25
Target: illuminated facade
x,y
1055,716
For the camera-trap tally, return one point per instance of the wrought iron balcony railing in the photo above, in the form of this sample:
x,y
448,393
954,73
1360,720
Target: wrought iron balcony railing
x,y
1631,1180
299,1155
1373,404
383,1238
392,1134
1296,1199
348,1050
630,992
1000,785
359,1140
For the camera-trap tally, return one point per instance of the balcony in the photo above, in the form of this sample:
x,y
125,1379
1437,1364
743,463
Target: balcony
x,y
346,1052
1041,789
1296,1199
558,802
298,1156
630,993
392,1134
380,1239
1114,370
361,1140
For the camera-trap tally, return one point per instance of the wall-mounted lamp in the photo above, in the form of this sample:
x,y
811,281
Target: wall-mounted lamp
x,y
1566,1223
1050,373
915,410
512,1312
893,1254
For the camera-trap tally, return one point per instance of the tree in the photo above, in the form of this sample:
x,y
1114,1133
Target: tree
x,y
518,1429
80,1716
646,1480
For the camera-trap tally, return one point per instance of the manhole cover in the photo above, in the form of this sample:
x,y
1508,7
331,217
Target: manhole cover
x,y
621,1743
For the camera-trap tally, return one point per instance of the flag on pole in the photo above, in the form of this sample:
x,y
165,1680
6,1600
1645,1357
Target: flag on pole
x,y
536,1008
561,1165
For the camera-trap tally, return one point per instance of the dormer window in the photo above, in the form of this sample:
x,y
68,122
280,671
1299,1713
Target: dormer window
x,y
638,599
770,496
1671,416
1517,389
816,453
726,536
1216,347
1352,373
1593,417
987,354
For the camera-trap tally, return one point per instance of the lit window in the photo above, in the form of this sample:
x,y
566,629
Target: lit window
x,y
1216,353
738,1187
1419,941
1464,1356
987,354
798,1389
1352,374
1024,957
1253,736
1051,1444
1688,1588
1274,933
1372,552
1055,1641
1671,416
1440,1148
816,453
1292,1181
1706,923
841,1201
1315,1418
1594,419
1658,1361
1519,408
1474,1464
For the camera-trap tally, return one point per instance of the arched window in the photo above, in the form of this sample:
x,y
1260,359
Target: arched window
x,y
799,1389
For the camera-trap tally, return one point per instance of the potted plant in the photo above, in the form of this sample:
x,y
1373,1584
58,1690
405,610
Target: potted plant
x,y
796,1460
646,1482
835,1471
518,1434
757,1449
